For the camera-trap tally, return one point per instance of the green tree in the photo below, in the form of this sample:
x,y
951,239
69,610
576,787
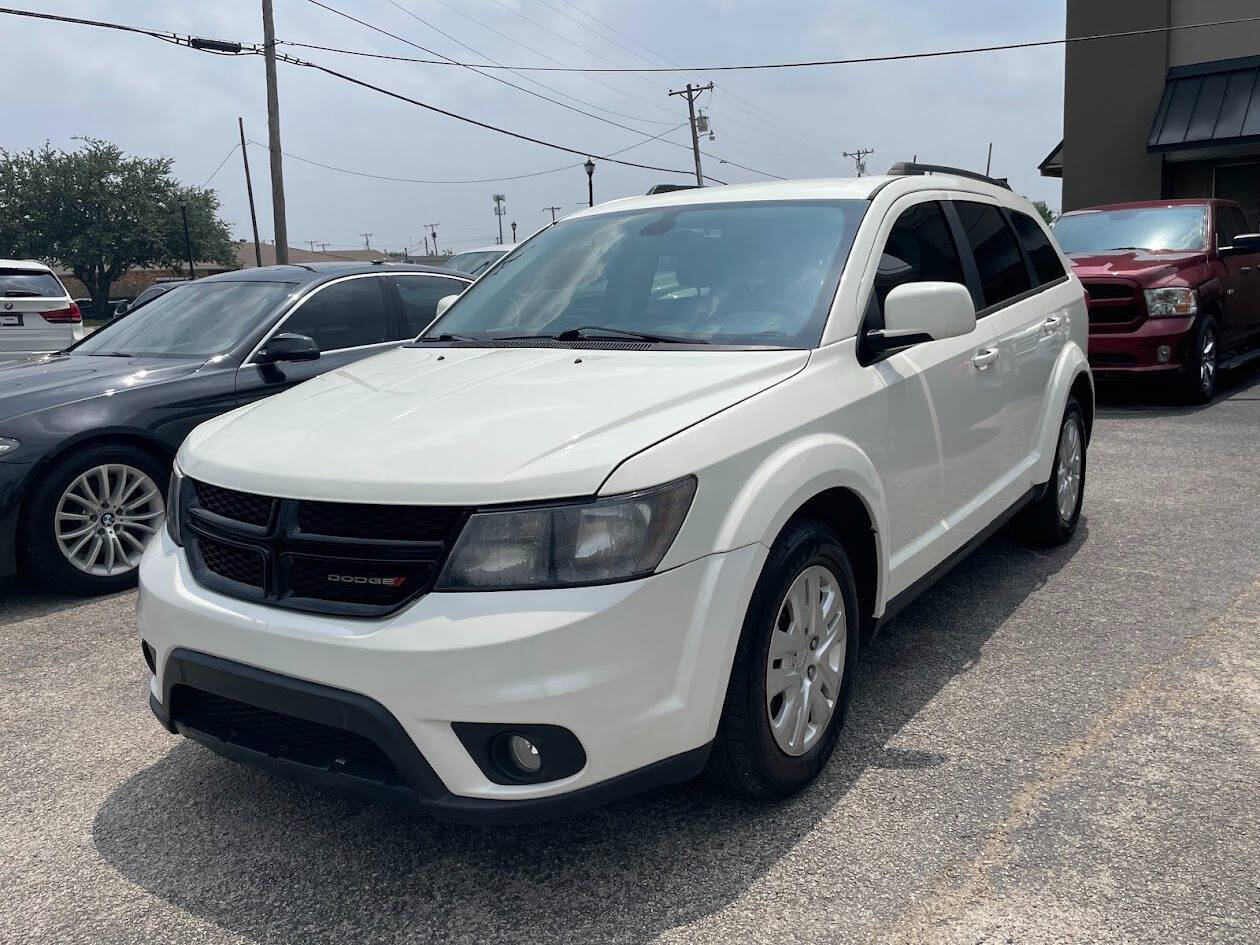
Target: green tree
x,y
1046,213
99,212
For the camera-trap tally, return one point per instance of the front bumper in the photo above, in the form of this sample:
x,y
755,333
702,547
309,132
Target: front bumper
x,y
1137,351
636,671
13,479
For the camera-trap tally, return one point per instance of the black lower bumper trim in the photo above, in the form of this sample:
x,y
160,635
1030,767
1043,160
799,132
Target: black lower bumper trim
x,y
420,788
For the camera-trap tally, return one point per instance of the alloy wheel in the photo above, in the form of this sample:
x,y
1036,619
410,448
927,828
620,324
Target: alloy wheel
x,y
1207,361
1068,474
805,664
105,518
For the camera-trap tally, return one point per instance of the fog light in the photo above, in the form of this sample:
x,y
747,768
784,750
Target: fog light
x,y
524,755
1163,354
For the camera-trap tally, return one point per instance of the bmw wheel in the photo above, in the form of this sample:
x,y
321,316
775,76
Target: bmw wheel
x,y
90,517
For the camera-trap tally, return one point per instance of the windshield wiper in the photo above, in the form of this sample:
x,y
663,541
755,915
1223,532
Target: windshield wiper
x,y
21,294
591,332
445,336
115,354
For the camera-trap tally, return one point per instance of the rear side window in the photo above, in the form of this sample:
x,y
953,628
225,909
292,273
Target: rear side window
x,y
1003,274
1239,221
1226,227
345,314
919,249
1037,245
27,283
420,296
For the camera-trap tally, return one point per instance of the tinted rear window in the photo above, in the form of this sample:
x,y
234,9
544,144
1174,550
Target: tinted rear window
x,y
1003,274
1039,249
18,283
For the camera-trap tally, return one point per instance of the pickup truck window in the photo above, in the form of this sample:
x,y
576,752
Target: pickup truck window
x,y
743,274
1181,228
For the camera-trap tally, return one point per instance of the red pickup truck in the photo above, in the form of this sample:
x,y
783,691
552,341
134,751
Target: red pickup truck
x,y
1174,288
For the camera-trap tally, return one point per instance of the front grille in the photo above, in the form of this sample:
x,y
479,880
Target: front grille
x,y
326,557
239,506
242,565
390,522
281,736
1107,359
1115,305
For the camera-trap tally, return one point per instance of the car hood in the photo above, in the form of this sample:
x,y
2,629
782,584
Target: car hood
x,y
453,426
29,386
1143,267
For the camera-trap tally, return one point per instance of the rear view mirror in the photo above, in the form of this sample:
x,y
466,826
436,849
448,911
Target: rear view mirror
x,y
444,303
289,346
1243,243
924,311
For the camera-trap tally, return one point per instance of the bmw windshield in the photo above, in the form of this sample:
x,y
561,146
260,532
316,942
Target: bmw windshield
x,y
739,274
197,320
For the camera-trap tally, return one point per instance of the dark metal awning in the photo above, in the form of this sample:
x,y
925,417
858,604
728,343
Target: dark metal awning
x,y
1052,166
1208,105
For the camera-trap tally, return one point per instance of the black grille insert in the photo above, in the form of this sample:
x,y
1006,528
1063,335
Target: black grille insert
x,y
1114,304
281,736
346,559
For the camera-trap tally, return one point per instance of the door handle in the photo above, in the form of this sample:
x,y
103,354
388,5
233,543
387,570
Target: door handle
x,y
1246,270
984,358
1051,325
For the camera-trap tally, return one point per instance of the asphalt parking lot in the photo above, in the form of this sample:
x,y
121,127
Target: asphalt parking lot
x,y
1048,747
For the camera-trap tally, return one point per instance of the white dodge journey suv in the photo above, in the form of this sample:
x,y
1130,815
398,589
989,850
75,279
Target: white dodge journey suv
x,y
631,507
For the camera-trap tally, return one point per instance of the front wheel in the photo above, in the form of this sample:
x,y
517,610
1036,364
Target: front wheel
x,y
789,685
1203,364
90,516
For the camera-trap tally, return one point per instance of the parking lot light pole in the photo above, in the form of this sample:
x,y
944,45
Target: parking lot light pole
x,y
590,182
183,210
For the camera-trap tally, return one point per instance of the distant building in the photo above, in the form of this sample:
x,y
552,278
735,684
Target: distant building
x,y
1166,114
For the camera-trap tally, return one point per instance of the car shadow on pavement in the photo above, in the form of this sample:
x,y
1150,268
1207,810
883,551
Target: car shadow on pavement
x,y
22,600
1147,397
279,862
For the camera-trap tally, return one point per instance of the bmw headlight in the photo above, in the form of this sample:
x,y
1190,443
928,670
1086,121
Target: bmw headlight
x,y
8,445
1169,303
174,492
570,544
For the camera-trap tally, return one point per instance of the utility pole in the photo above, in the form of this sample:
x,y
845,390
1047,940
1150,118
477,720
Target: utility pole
x,y
690,93
988,165
311,244
552,211
367,240
513,231
859,158
249,188
433,232
426,244
323,247
499,211
273,136
183,210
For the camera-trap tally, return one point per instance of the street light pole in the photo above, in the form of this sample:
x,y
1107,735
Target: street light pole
x,y
183,210
513,231
590,182
273,136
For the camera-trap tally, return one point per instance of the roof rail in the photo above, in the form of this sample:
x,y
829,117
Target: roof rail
x,y
910,168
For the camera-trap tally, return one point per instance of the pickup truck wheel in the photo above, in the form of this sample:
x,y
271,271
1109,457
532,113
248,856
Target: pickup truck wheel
x,y
90,516
1053,518
789,685
1203,364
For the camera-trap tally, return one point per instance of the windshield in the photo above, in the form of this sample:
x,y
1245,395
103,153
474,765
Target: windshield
x,y
197,320
474,263
1149,228
760,274
19,283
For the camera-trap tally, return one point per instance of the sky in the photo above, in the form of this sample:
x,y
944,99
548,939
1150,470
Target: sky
x,y
152,98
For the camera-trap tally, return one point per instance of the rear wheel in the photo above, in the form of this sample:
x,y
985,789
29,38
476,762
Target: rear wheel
x,y
90,517
789,685
1053,518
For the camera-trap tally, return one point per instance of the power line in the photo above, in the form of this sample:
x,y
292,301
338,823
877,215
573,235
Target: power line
x,y
807,63
215,172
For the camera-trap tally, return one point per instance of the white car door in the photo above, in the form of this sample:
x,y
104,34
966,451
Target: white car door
x,y
1030,333
954,388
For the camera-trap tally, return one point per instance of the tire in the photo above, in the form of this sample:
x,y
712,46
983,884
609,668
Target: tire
x,y
1048,521
1198,383
747,756
129,470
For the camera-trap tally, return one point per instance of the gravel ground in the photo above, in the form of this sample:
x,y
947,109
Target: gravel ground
x,y
1055,746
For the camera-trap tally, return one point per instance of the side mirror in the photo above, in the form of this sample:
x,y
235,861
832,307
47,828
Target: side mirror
x,y
923,311
288,346
444,303
1243,243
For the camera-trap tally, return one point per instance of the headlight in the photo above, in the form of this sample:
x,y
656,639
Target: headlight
x,y
174,492
576,543
1166,303
8,445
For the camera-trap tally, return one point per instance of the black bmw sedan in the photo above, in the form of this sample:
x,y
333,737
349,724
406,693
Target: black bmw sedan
x,y
87,435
